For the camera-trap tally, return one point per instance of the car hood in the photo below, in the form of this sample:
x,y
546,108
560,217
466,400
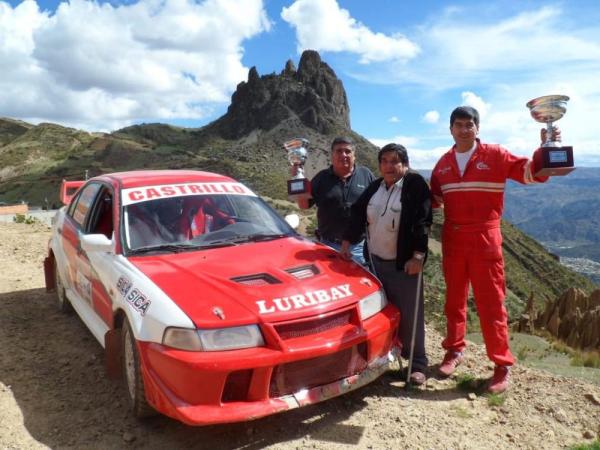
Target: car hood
x,y
257,282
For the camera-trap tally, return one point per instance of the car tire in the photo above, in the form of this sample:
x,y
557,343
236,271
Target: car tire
x,y
132,375
63,303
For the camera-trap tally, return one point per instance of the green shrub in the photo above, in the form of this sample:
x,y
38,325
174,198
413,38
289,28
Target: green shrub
x,y
585,359
22,218
593,446
466,382
496,399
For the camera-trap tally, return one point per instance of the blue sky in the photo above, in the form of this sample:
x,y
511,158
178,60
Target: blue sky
x,y
100,66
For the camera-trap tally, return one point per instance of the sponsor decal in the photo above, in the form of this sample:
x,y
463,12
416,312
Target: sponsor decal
x,y
482,166
133,296
142,194
299,301
123,285
84,287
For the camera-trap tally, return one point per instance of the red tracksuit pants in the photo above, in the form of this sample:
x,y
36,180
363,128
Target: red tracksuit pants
x,y
472,255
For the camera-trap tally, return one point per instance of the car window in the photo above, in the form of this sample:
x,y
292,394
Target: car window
x,y
200,221
101,216
80,211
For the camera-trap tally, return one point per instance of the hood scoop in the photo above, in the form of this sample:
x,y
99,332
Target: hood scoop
x,y
303,272
257,279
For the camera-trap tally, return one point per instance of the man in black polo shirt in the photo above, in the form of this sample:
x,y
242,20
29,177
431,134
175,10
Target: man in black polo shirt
x,y
334,190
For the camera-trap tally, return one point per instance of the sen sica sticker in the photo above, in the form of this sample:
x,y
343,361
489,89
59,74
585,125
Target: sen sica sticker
x,y
134,297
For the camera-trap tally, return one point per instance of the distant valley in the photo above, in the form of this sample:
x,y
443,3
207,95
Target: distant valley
x,y
564,215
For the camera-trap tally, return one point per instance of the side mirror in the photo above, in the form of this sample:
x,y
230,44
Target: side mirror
x,y
293,220
96,243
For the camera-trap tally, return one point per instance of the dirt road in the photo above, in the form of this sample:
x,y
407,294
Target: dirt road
x,y
53,392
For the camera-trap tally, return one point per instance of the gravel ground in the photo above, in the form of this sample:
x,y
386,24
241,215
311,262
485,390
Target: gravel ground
x,y
53,392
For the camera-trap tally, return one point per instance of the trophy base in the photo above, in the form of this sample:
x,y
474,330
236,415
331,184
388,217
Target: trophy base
x,y
553,161
299,189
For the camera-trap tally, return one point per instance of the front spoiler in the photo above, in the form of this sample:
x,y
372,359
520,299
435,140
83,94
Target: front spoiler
x,y
199,415
374,370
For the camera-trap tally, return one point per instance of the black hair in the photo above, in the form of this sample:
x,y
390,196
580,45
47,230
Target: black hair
x,y
342,140
464,112
398,149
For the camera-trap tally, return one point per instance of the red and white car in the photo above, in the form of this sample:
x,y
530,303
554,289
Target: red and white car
x,y
208,303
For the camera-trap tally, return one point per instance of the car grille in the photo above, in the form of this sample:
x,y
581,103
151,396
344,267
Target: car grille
x,y
313,326
295,376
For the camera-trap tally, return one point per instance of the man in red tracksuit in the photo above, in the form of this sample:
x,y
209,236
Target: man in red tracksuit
x,y
468,182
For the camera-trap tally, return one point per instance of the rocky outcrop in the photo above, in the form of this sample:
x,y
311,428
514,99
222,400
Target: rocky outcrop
x,y
574,318
312,93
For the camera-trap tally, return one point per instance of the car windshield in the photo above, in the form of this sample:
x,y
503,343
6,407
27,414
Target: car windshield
x,y
182,223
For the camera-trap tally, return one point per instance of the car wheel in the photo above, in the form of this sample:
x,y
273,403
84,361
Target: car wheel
x,y
132,374
62,301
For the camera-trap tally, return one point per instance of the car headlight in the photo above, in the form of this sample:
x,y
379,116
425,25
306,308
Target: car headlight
x,y
231,338
372,304
214,340
182,339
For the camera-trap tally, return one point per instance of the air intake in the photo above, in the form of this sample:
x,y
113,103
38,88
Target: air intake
x,y
303,272
258,279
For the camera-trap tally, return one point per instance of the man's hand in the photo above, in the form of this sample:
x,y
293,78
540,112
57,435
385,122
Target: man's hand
x,y
414,265
294,169
345,251
556,134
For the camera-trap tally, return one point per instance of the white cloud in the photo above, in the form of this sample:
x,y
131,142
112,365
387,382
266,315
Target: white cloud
x,y
407,141
394,119
431,117
323,26
472,99
99,66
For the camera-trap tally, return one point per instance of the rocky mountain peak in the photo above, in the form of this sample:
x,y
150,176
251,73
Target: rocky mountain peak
x,y
313,94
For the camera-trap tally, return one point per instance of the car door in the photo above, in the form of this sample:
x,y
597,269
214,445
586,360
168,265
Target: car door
x,y
72,229
102,220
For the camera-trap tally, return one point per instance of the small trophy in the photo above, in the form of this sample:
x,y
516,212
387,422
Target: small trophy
x,y
299,186
551,158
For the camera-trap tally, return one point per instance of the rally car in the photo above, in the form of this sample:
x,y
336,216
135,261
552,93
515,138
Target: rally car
x,y
211,307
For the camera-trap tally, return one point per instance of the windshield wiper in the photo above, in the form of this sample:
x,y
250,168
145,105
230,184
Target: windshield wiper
x,y
259,237
174,248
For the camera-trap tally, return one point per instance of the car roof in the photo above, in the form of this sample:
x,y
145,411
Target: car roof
x,y
139,178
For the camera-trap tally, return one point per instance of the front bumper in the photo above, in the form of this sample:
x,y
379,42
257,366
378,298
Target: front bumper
x,y
201,388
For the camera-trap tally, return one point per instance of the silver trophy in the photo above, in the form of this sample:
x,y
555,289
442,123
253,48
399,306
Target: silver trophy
x,y
552,158
298,186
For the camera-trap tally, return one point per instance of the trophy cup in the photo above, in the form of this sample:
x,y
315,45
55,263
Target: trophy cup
x,y
298,186
551,158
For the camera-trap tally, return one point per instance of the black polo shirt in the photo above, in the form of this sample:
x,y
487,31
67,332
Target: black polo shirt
x,y
334,197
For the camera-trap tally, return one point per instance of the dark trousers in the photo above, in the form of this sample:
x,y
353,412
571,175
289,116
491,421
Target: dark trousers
x,y
401,290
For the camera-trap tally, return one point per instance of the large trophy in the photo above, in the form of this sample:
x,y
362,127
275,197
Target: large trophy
x,y
298,186
551,158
